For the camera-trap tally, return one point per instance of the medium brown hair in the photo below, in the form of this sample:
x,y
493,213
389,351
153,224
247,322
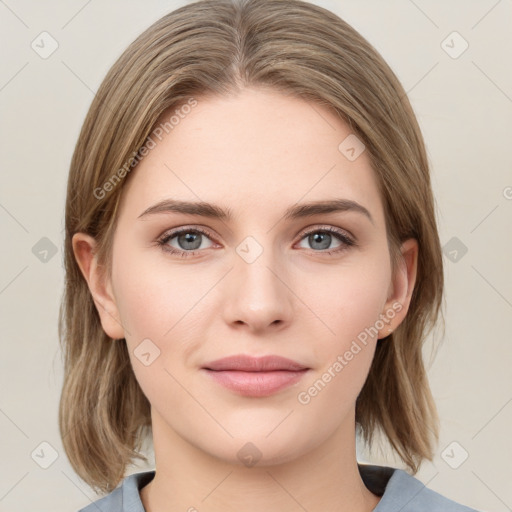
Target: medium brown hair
x,y
218,47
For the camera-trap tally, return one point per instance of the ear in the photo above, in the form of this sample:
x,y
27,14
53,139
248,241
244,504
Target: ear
x,y
84,248
401,288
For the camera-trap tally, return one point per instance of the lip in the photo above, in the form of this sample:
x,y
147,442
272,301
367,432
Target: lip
x,y
255,376
245,363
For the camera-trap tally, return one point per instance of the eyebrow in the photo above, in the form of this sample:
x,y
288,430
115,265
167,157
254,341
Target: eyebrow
x,y
297,211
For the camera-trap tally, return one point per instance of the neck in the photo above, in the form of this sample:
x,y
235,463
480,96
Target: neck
x,y
189,479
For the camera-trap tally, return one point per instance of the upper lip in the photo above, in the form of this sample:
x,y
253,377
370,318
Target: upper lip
x,y
242,362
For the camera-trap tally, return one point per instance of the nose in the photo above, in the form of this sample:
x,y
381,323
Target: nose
x,y
257,295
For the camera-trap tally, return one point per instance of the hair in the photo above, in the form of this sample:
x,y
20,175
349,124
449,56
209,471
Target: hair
x,y
218,47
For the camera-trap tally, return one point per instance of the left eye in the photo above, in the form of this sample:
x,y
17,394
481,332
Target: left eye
x,y
322,238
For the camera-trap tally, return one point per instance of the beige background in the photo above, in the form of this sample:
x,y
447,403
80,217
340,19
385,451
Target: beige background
x,y
464,106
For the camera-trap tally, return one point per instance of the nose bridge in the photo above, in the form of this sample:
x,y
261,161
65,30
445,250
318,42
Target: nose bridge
x,y
256,265
258,295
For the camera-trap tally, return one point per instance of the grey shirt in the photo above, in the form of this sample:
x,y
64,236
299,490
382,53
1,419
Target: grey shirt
x,y
399,491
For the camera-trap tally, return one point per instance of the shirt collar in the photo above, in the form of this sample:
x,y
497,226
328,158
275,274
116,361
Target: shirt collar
x,y
398,490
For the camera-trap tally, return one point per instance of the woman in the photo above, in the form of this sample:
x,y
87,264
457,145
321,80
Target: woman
x,y
252,264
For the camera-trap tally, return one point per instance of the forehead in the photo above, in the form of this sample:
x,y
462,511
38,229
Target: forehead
x,y
257,151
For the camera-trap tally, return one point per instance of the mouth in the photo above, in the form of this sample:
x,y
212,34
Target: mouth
x,y
255,376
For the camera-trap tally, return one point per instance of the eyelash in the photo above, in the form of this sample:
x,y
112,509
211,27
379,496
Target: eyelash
x,y
162,241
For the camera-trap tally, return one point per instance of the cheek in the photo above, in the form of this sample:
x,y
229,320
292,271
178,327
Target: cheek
x,y
159,303
140,305
346,300
347,303
150,309
151,298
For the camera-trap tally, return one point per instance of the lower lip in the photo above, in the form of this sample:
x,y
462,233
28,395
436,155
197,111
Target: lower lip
x,y
256,384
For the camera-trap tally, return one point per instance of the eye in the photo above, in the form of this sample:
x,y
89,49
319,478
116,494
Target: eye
x,y
189,241
321,239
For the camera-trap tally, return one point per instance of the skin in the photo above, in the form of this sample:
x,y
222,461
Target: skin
x,y
257,153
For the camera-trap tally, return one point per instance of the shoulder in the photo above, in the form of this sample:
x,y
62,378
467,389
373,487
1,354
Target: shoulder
x,y
125,497
113,502
408,494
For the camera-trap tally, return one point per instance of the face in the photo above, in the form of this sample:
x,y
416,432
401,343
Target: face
x,y
313,286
